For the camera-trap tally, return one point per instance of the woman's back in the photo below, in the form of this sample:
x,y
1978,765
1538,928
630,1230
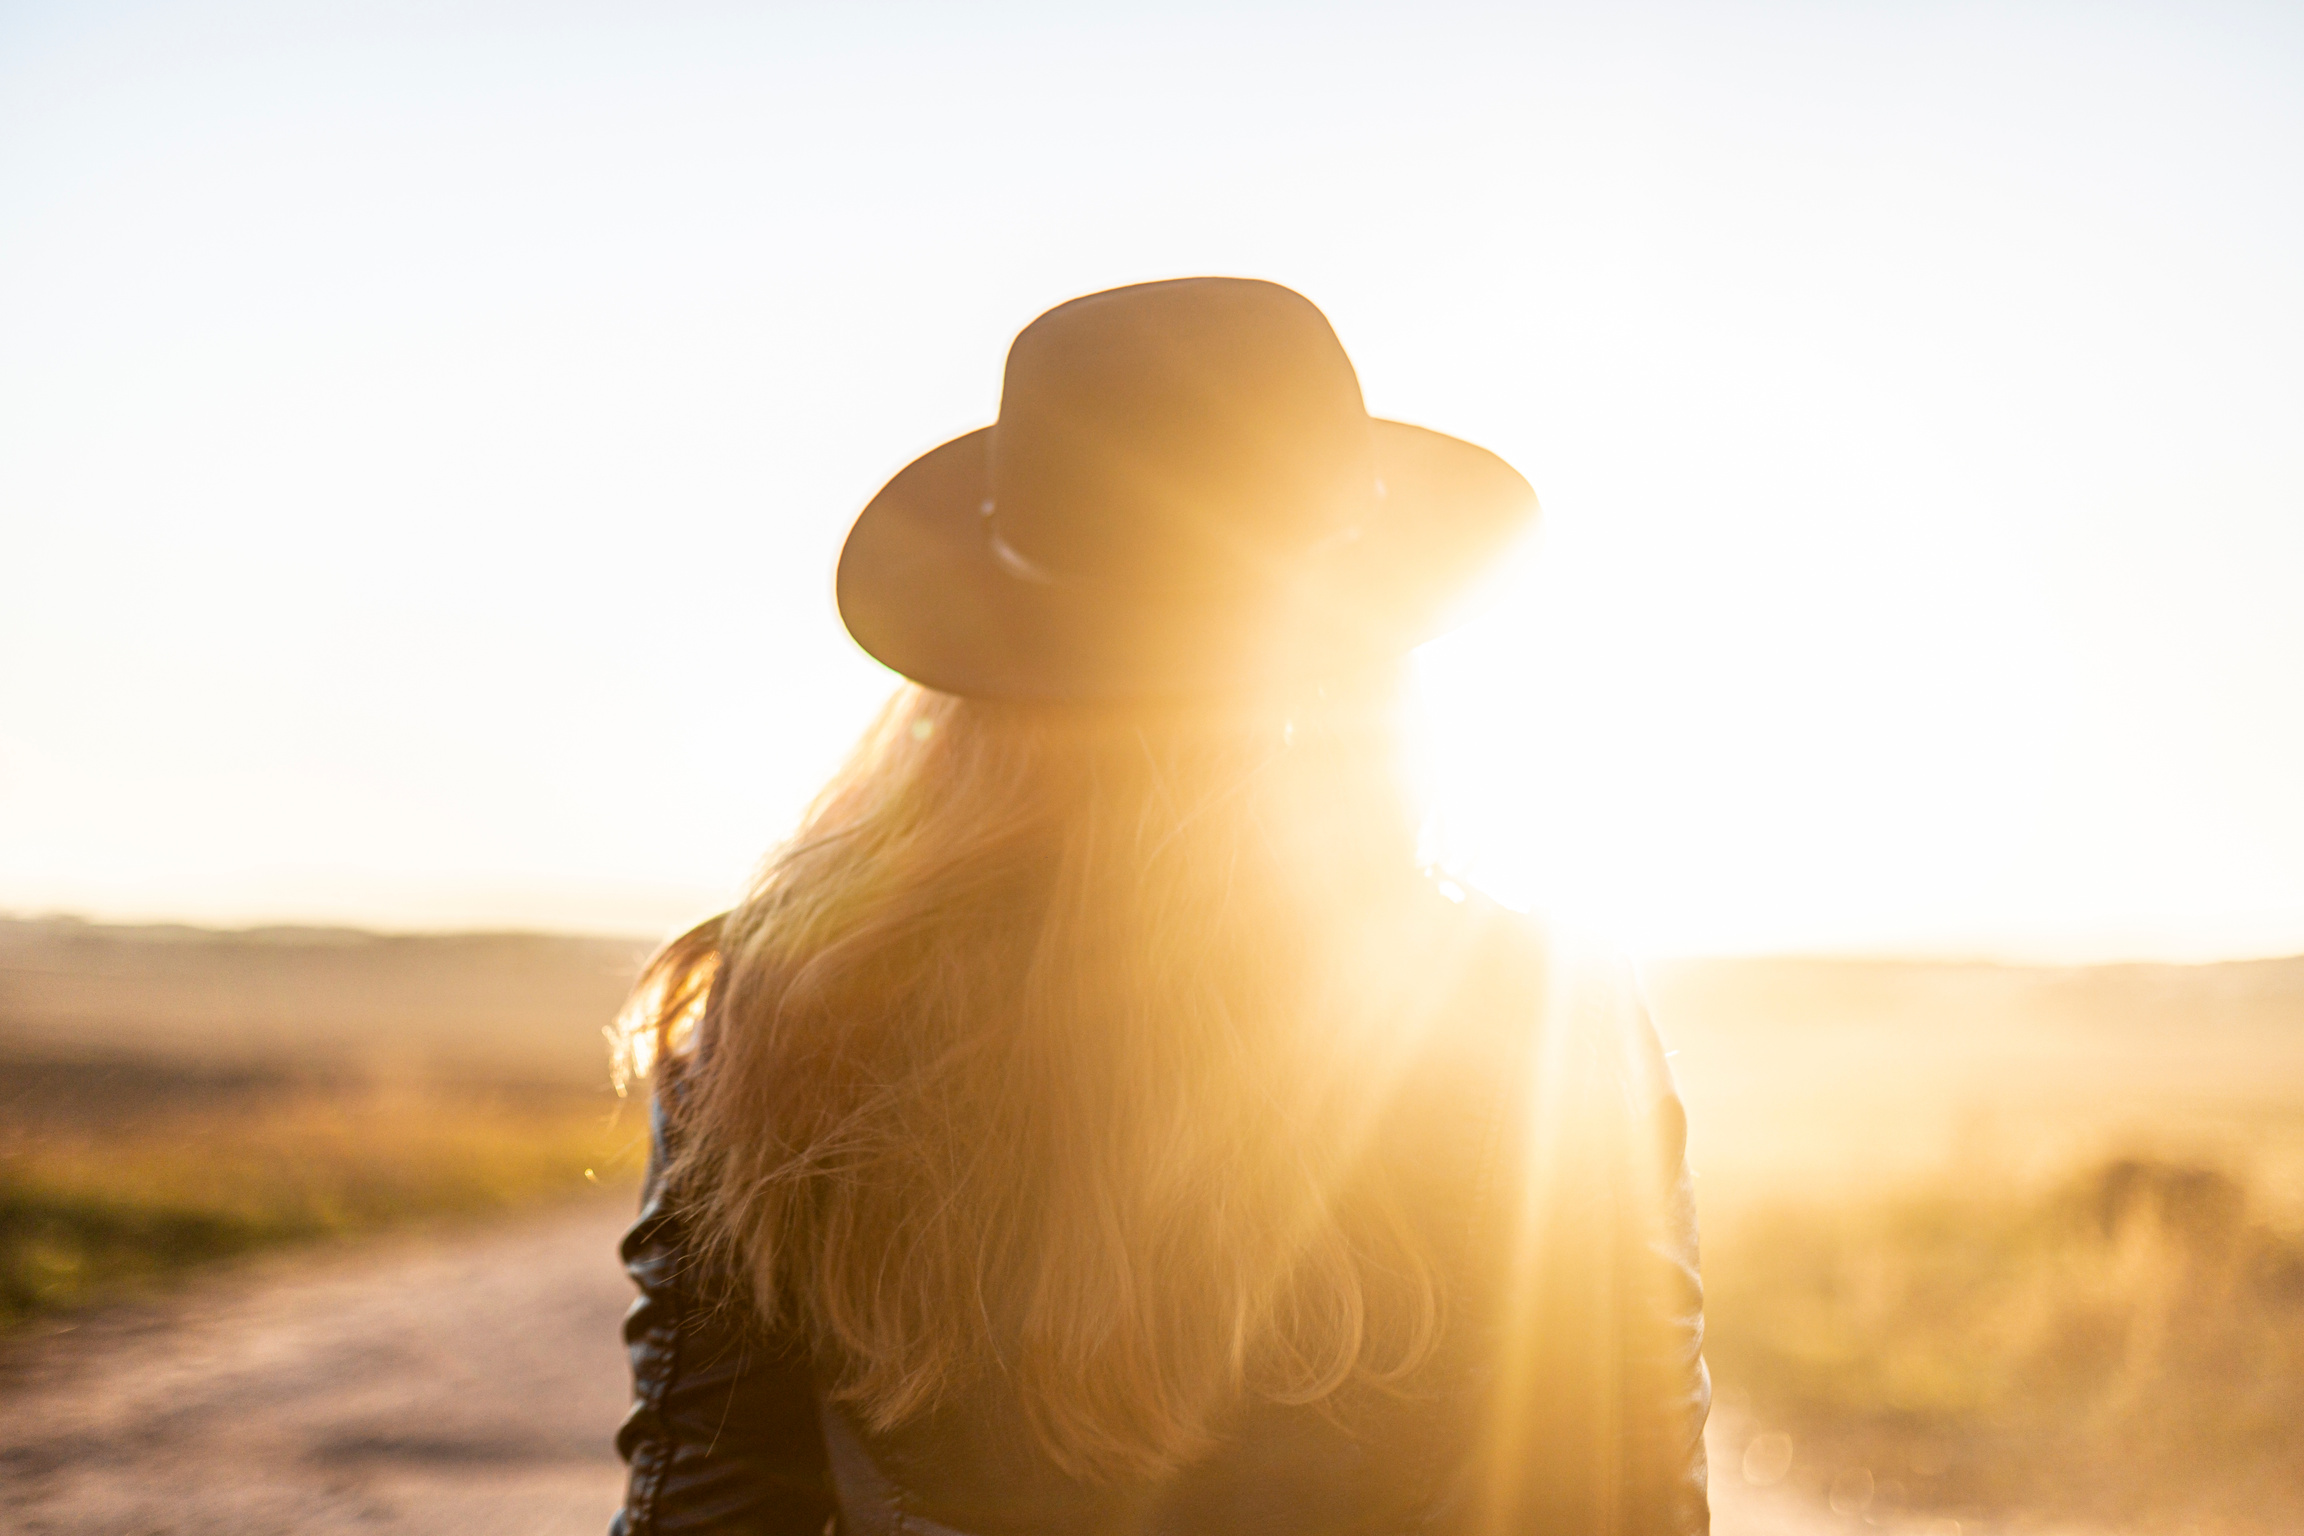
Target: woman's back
x,y
1092,1119
1529,1127
1605,1323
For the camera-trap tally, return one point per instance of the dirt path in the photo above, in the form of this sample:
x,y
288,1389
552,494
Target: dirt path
x,y
450,1384
423,1385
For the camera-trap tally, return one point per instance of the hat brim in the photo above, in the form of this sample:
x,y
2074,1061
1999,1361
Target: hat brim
x,y
922,591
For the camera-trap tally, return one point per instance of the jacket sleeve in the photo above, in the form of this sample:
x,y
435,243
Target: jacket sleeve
x,y
722,1436
1595,1390
1661,1293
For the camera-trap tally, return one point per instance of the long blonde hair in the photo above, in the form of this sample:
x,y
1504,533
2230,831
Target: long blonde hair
x,y
1053,1046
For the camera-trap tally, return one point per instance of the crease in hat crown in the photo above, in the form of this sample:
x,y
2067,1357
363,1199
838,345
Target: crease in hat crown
x,y
1199,433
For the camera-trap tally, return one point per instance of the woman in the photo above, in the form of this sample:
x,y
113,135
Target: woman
x,y
1093,1120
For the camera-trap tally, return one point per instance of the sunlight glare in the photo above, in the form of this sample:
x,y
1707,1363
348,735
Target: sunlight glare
x,y
1681,755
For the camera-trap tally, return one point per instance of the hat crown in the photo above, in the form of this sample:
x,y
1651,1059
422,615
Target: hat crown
x,y
1202,433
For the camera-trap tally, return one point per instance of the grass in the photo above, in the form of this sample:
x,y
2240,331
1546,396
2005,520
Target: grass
x,y
2124,1344
116,1177
1989,1241
1932,1290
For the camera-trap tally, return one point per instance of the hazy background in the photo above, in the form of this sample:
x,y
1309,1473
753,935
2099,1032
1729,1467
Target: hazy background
x,y
426,431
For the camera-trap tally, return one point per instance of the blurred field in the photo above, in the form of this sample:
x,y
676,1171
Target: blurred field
x,y
498,1006
170,1097
1979,1239
1983,1238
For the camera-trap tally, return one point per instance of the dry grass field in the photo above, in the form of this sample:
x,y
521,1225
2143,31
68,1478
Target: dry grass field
x,y
1985,1237
506,1006
1980,1239
170,1097
114,1175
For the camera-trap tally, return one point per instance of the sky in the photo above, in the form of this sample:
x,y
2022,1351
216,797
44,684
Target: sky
x,y
426,433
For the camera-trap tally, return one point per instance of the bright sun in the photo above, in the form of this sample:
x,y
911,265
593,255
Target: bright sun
x,y
1623,750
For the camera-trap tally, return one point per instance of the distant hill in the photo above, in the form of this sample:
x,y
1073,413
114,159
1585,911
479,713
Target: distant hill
x,y
1761,1042
514,1005
1847,1068
1952,996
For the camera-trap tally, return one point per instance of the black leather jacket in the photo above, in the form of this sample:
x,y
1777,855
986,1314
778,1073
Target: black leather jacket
x,y
1568,1395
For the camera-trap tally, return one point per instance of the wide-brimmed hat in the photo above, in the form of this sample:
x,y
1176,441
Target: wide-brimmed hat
x,y
1183,497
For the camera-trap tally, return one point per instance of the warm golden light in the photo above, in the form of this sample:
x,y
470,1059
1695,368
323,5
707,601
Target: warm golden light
x,y
1683,769
1919,557
426,437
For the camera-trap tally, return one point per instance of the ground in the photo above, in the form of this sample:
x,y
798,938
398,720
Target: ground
x,y
447,1382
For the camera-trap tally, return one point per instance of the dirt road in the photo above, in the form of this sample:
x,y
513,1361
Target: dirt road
x,y
464,1384
450,1384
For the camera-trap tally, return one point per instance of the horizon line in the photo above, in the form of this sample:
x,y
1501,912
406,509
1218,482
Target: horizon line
x,y
1812,955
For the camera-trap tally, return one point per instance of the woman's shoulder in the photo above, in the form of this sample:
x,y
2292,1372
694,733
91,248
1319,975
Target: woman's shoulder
x,y
1510,984
1538,1034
